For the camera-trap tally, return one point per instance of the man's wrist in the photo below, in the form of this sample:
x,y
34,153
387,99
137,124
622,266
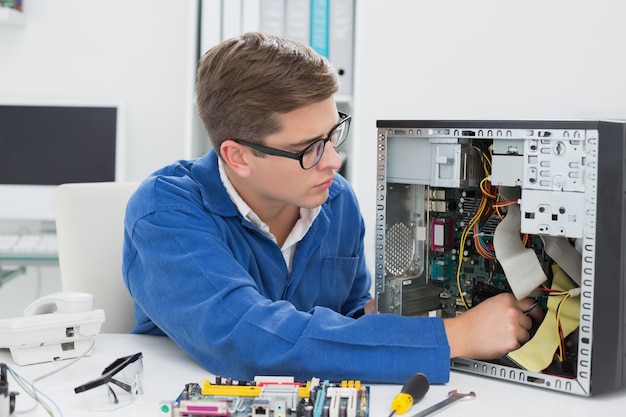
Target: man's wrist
x,y
452,333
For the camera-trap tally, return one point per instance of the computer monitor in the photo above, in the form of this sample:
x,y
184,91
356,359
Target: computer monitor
x,y
469,209
47,143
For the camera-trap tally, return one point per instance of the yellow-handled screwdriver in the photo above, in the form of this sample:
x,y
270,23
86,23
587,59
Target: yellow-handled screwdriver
x,y
412,391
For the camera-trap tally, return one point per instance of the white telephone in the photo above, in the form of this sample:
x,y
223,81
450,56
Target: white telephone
x,y
54,327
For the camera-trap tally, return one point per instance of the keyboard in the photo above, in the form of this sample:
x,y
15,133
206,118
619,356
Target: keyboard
x,y
37,245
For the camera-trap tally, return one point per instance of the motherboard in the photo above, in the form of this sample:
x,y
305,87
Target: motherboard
x,y
270,397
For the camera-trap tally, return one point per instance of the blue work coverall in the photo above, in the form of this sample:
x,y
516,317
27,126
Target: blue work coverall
x,y
206,277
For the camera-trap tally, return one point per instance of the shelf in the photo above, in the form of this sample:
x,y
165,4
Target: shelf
x,y
11,17
343,99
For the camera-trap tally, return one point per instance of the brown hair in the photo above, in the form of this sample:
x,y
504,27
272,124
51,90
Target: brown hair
x,y
245,81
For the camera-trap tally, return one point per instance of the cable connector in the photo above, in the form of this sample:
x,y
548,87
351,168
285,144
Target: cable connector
x,y
574,292
7,398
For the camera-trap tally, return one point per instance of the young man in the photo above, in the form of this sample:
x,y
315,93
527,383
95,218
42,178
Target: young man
x,y
251,257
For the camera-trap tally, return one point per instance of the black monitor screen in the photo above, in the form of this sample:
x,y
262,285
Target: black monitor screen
x,y
52,145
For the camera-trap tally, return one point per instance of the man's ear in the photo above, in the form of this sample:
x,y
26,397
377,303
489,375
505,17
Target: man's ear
x,y
236,157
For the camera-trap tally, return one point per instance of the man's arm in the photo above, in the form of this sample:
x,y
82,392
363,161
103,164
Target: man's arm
x,y
222,292
490,330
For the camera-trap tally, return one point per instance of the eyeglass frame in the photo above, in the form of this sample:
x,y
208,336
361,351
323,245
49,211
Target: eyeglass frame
x,y
109,372
299,156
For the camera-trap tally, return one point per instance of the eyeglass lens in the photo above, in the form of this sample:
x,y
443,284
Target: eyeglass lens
x,y
314,152
118,386
122,391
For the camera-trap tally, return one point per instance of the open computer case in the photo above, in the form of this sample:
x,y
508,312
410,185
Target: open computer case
x,y
468,209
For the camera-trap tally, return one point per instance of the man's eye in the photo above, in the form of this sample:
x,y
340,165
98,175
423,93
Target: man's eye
x,y
311,148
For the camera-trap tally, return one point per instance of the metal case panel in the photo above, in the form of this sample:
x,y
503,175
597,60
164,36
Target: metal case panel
x,y
435,228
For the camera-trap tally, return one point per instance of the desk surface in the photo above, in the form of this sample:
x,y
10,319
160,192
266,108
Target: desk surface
x,y
167,369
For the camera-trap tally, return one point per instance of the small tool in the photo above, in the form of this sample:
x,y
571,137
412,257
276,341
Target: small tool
x,y
453,397
412,391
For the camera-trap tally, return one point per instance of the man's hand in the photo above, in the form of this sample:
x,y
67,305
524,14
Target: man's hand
x,y
492,329
370,307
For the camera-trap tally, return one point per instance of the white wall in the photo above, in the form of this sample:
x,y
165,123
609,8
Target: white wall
x,y
482,59
141,53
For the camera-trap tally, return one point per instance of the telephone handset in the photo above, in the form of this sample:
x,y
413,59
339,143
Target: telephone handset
x,y
54,327
62,302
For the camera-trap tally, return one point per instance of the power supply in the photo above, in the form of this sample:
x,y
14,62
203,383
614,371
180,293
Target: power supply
x,y
466,209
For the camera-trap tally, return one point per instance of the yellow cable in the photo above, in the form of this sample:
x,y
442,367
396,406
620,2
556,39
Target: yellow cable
x,y
560,354
537,354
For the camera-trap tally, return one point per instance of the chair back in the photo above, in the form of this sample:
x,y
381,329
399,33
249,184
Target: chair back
x,y
90,231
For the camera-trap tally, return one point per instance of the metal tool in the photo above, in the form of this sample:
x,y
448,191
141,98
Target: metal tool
x,y
453,397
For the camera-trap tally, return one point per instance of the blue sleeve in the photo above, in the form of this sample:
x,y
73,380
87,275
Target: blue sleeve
x,y
211,284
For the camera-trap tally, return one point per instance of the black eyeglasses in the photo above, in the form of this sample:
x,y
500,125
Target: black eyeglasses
x,y
116,387
311,155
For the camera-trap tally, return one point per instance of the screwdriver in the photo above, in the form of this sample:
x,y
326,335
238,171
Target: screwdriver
x,y
412,391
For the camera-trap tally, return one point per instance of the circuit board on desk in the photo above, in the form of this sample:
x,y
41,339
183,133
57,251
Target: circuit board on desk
x,y
270,397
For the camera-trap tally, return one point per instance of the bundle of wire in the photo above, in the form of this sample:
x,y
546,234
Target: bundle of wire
x,y
40,398
561,354
487,210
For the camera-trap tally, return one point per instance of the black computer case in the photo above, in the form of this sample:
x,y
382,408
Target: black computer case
x,y
444,191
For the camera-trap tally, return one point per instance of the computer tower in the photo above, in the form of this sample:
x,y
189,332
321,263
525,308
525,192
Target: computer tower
x,y
466,209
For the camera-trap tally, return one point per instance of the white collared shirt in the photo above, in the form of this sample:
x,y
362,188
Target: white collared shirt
x,y
307,216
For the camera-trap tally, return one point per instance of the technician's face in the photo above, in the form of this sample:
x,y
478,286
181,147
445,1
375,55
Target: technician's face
x,y
282,180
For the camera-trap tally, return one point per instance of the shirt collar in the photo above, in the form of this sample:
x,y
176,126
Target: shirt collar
x,y
307,216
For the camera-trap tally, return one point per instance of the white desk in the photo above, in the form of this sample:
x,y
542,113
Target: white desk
x,y
167,368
